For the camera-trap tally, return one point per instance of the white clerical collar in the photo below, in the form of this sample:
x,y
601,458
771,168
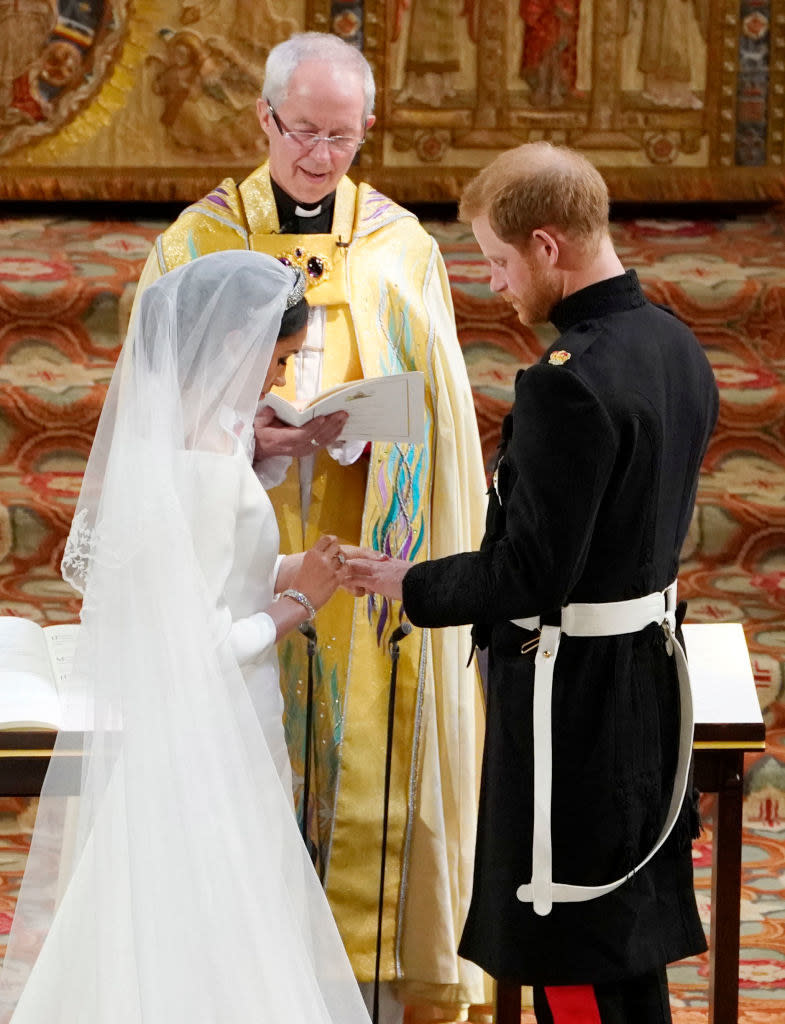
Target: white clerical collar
x,y
300,212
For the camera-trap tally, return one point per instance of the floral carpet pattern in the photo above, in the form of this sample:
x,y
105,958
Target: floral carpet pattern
x,y
65,291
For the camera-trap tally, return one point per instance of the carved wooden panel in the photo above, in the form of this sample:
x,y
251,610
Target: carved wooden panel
x,y
155,99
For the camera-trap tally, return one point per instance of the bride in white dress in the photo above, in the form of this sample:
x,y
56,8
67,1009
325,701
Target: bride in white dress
x,y
184,894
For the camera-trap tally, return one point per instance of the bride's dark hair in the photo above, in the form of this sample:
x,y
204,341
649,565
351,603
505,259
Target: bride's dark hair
x,y
293,319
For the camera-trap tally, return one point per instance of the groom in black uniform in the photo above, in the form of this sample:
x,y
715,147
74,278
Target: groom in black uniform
x,y
573,592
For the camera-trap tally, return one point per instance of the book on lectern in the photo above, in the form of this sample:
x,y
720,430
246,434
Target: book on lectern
x,y
390,408
35,663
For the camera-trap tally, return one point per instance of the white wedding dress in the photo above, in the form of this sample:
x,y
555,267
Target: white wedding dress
x,y
216,916
237,543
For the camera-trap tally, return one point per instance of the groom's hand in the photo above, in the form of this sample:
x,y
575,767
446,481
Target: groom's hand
x,y
377,576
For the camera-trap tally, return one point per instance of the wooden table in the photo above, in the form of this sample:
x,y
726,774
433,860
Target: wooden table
x,y
728,723
25,756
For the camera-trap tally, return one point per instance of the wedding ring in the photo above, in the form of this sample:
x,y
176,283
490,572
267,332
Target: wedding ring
x,y
341,558
314,442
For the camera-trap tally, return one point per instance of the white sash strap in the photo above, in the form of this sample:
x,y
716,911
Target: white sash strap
x,y
540,890
611,618
608,619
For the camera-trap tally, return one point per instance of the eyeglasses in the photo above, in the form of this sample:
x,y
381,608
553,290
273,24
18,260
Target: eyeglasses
x,y
310,140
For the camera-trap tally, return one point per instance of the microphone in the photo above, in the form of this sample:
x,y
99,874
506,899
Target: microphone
x,y
398,634
307,630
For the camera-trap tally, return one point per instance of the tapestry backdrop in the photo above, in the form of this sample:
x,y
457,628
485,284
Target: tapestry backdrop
x,y
155,99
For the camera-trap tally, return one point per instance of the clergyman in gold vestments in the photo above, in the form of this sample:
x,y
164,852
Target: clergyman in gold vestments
x,y
380,304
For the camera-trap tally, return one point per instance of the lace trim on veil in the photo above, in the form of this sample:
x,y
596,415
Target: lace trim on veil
x,y
79,549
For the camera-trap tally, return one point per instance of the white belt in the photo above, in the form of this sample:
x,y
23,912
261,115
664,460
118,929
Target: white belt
x,y
608,619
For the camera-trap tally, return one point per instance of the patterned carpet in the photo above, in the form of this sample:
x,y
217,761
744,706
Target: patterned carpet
x,y
66,285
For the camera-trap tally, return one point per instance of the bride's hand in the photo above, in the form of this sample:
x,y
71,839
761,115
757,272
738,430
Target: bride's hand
x,y
322,571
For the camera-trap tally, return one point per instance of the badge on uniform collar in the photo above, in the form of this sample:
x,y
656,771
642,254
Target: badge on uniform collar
x,y
558,358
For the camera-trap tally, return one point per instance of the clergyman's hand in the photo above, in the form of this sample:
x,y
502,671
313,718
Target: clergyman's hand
x,y
274,437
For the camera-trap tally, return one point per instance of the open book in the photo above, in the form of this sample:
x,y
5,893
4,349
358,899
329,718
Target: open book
x,y
380,408
35,662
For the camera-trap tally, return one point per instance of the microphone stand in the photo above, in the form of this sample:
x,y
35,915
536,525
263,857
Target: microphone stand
x,y
308,631
398,634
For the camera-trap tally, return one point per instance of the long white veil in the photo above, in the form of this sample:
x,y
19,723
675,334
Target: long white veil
x,y
176,889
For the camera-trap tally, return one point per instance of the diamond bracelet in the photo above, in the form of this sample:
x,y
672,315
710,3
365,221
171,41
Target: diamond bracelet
x,y
299,596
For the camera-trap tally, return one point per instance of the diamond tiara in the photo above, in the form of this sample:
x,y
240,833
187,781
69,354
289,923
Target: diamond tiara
x,y
298,289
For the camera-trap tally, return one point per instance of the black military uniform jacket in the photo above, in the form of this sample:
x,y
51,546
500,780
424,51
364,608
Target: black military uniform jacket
x,y
595,488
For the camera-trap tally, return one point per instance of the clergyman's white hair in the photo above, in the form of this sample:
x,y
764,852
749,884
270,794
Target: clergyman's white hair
x,y
286,57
